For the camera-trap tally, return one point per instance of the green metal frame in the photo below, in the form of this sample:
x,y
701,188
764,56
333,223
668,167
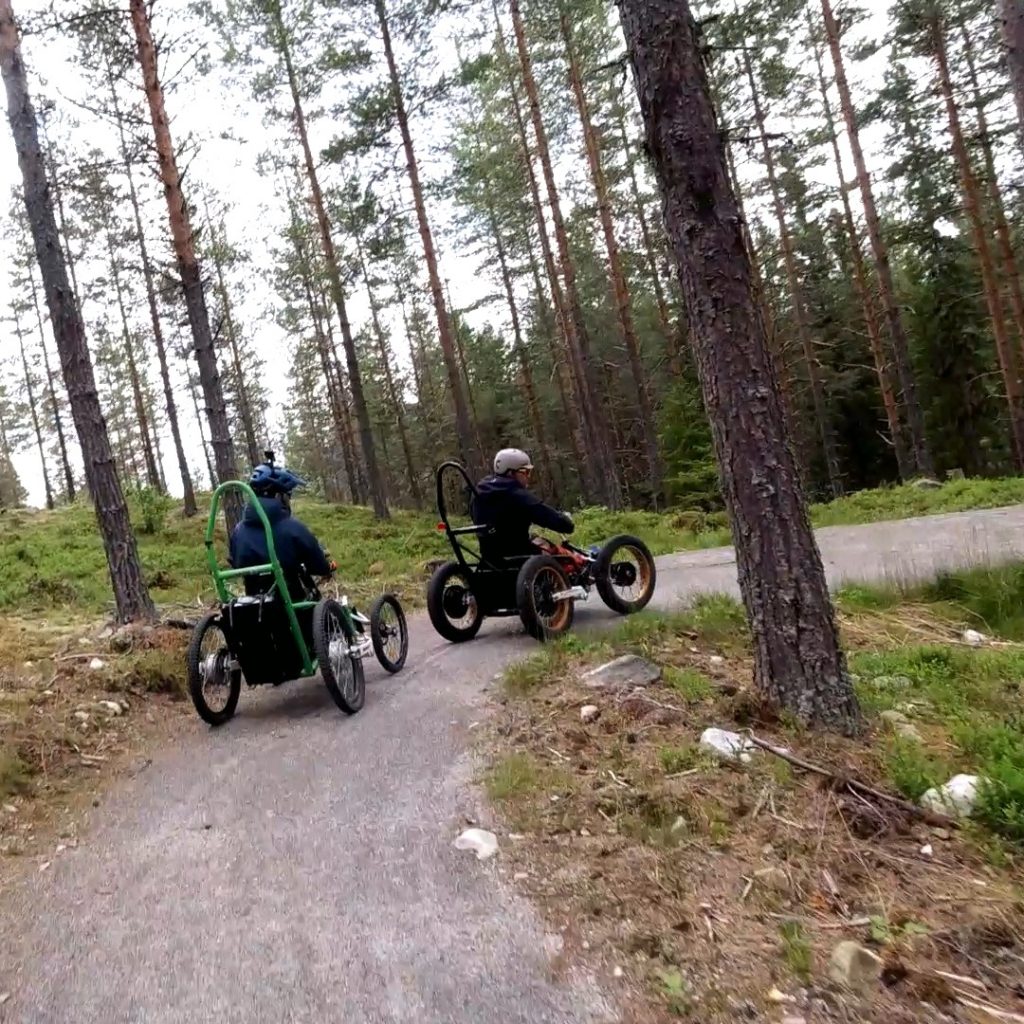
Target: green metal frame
x,y
221,576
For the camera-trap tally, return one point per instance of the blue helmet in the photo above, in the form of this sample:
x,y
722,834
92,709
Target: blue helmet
x,y
268,480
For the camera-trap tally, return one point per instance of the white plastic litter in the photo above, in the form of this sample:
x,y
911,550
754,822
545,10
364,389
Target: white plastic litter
x,y
483,843
973,638
730,746
956,798
97,663
589,712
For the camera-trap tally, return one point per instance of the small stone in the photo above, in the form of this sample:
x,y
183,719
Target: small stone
x,y
624,673
726,745
894,718
555,798
584,832
10,809
617,972
906,731
376,569
926,850
589,713
956,798
4,996
892,682
692,650
942,833
28,664
774,878
854,966
82,716
520,876
44,866
61,847
483,843
775,996
973,638
96,664
716,659
111,707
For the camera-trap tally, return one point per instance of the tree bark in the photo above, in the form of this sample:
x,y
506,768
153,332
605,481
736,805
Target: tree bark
x,y
244,403
33,410
1011,272
394,398
793,279
188,490
568,389
469,449
601,454
1008,363
904,461
376,488
130,594
620,288
1011,19
920,451
798,662
211,473
69,477
149,460
188,265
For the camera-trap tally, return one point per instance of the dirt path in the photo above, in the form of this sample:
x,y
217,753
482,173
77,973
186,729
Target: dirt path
x,y
297,865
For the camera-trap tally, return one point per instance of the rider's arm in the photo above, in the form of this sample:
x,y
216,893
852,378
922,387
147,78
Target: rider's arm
x,y
546,517
308,550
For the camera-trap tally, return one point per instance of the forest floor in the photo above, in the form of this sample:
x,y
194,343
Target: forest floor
x,y
719,891
86,712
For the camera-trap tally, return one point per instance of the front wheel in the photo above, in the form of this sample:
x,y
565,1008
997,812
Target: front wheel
x,y
341,670
544,615
625,574
389,632
214,680
453,608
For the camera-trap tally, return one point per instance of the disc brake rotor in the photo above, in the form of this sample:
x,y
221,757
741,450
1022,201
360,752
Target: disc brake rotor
x,y
623,574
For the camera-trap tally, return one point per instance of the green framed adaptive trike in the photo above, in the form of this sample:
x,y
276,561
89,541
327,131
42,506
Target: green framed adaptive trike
x,y
269,637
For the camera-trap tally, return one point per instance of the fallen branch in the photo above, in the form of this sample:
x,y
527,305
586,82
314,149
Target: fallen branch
x,y
855,786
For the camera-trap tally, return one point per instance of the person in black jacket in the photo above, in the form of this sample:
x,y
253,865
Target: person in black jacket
x,y
296,547
503,502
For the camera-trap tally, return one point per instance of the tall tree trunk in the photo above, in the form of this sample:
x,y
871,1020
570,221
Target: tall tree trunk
x,y
187,488
797,658
62,226
607,483
796,292
470,451
210,471
1011,273
460,352
426,390
394,398
188,265
130,594
244,403
620,288
532,406
673,335
568,390
919,449
1008,363
377,497
152,475
1011,19
69,477
904,461
30,393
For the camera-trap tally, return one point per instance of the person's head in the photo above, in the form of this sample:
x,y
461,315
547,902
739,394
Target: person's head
x,y
515,463
270,481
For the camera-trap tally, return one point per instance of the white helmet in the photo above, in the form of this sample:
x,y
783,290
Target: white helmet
x,y
509,460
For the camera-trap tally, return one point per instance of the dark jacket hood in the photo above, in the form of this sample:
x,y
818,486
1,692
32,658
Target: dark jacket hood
x,y
272,506
499,485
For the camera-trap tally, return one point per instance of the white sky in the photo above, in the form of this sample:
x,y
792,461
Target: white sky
x,y
227,169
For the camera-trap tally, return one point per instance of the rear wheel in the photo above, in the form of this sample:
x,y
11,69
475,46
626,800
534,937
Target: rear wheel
x,y
389,632
625,574
214,680
453,609
341,670
544,617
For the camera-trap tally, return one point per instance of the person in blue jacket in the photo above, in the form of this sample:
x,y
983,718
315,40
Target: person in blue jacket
x,y
297,548
504,502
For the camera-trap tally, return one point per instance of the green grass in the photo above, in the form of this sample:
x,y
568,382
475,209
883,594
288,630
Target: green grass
x,y
691,685
513,776
796,949
15,776
975,696
53,560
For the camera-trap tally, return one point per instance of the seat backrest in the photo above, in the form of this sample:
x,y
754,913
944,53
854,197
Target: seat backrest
x,y
261,639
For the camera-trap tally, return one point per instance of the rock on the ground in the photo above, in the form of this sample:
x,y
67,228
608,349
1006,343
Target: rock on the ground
x,y
956,798
775,879
111,707
726,745
906,731
589,713
624,673
96,664
854,966
716,659
892,682
82,716
973,638
483,843
894,718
